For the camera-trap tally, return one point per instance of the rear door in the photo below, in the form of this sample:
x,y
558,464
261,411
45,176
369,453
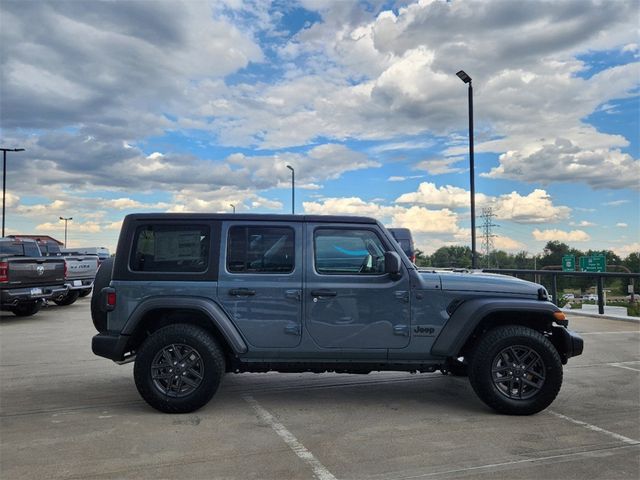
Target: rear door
x,y
260,281
350,302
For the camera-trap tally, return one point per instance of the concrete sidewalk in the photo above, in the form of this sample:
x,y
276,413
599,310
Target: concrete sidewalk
x,y
606,316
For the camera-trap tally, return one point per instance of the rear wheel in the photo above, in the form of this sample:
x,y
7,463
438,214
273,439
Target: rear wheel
x,y
179,368
26,309
516,370
70,297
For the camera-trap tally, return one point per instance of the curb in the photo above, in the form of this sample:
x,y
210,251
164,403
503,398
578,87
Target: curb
x,y
622,318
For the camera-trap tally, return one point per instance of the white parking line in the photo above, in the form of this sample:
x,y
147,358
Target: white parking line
x,y
588,453
617,436
608,333
624,366
319,470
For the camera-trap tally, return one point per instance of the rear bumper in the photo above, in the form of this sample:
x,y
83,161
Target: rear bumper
x,y
13,296
79,283
110,346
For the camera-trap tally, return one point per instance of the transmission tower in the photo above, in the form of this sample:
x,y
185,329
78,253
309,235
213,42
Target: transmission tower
x,y
487,235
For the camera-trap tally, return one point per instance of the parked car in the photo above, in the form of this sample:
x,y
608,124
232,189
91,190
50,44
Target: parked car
x,y
26,280
80,270
101,252
189,297
591,297
405,240
569,296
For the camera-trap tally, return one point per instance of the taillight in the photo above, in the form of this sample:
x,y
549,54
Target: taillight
x,y
111,299
4,272
412,258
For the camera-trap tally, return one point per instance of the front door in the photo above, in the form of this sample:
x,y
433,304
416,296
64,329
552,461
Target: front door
x,y
350,302
260,281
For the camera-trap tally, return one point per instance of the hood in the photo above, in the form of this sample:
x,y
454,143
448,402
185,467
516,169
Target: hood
x,y
477,281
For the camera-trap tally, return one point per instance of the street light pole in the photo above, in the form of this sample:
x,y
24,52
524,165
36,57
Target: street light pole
x,y
293,189
65,229
4,178
474,257
233,206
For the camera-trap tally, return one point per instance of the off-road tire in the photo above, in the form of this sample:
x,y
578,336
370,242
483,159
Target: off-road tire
x,y
103,278
180,336
84,292
70,297
489,350
26,309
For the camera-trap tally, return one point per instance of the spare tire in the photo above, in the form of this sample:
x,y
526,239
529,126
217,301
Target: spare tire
x,y
102,280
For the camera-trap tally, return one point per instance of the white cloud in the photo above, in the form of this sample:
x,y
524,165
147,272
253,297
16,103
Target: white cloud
x,y
501,242
560,235
537,207
622,225
423,220
583,223
567,161
440,166
348,206
429,194
625,250
394,178
616,203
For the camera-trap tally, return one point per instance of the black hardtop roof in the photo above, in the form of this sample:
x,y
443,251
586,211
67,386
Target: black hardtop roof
x,y
250,217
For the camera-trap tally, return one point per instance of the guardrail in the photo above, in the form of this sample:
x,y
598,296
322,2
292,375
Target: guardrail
x,y
559,273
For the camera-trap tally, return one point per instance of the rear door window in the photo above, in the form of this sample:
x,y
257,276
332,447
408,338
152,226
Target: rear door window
x,y
260,250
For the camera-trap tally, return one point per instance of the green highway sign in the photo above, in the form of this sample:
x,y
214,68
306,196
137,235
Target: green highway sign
x,y
594,263
568,263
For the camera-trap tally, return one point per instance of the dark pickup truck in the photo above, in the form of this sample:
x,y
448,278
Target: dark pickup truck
x,y
26,279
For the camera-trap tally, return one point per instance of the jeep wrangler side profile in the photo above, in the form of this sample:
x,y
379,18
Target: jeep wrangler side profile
x,y
190,297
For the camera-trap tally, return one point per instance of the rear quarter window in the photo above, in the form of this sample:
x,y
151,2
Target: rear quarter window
x,y
170,248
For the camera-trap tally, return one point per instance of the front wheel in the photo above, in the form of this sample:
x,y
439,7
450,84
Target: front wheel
x,y
516,370
179,368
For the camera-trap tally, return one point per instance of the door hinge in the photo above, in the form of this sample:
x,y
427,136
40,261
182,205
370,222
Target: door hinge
x,y
293,329
293,294
402,295
402,330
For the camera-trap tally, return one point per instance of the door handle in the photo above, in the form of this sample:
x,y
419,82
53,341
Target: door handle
x,y
241,292
323,293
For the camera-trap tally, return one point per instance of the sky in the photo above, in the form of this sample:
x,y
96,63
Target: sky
x,y
168,106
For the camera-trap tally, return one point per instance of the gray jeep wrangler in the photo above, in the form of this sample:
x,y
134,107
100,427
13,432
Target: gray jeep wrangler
x,y
190,297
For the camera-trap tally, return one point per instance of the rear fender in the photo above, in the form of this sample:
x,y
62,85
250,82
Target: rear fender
x,y
211,310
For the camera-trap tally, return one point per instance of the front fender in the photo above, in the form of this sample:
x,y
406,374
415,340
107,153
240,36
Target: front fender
x,y
210,309
468,315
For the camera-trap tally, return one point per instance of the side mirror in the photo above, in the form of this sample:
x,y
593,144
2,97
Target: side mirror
x,y
392,264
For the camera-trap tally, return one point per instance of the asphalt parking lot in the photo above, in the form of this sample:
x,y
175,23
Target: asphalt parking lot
x,y
65,413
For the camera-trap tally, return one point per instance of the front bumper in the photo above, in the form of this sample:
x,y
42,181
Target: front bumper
x,y
11,297
568,343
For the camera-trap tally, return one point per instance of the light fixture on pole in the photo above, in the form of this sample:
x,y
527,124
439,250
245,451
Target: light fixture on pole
x,y
233,206
65,228
4,178
293,189
462,75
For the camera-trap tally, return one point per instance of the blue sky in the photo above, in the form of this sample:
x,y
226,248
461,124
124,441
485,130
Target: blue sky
x,y
192,106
